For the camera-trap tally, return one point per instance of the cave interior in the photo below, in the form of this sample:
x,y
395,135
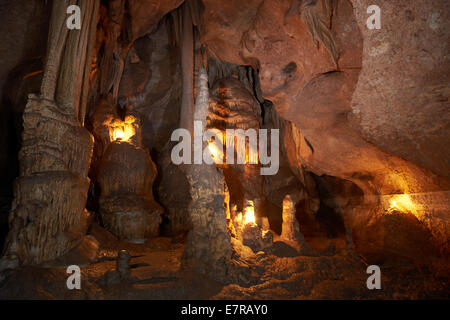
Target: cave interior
x,y
99,170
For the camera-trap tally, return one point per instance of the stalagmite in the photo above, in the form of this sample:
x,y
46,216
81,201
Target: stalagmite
x,y
208,247
233,106
265,225
126,177
290,229
123,264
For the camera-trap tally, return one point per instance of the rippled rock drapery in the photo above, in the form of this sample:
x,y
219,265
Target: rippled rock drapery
x,y
233,106
125,173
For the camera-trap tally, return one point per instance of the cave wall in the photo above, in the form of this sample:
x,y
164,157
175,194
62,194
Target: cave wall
x,y
401,98
337,108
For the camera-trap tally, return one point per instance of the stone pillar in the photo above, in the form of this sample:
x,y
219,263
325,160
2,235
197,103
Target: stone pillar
x,y
265,225
48,217
126,176
125,172
290,229
208,245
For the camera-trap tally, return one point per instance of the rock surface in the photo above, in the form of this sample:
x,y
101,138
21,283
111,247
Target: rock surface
x,y
127,206
368,107
342,117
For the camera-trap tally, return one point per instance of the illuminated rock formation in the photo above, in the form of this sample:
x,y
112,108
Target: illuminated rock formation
x,y
232,106
208,247
48,216
126,175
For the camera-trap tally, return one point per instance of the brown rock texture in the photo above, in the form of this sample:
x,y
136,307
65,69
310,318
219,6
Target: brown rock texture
x,y
339,113
402,95
208,248
127,205
51,192
125,173
48,217
232,106
363,116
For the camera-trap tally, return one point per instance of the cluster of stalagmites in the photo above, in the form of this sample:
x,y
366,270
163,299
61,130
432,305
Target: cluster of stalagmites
x,y
255,238
258,236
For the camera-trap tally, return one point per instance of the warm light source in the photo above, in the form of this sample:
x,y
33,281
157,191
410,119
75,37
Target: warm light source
x,y
402,203
216,154
121,130
249,215
118,134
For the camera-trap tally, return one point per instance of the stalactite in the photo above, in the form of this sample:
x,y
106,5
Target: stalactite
x,y
184,19
116,49
56,41
88,66
76,60
187,67
318,26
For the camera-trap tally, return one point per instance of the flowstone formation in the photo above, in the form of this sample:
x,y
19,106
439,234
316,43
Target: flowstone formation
x,y
52,190
127,206
126,174
48,217
232,106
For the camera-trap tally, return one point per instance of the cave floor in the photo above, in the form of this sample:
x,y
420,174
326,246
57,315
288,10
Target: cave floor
x,y
156,273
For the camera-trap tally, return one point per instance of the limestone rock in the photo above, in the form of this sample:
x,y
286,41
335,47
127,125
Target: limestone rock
x,y
126,177
52,189
377,118
256,239
232,106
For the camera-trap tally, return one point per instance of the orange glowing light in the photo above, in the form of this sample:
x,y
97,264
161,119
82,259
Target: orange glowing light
x,y
216,154
118,134
403,203
249,215
121,130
